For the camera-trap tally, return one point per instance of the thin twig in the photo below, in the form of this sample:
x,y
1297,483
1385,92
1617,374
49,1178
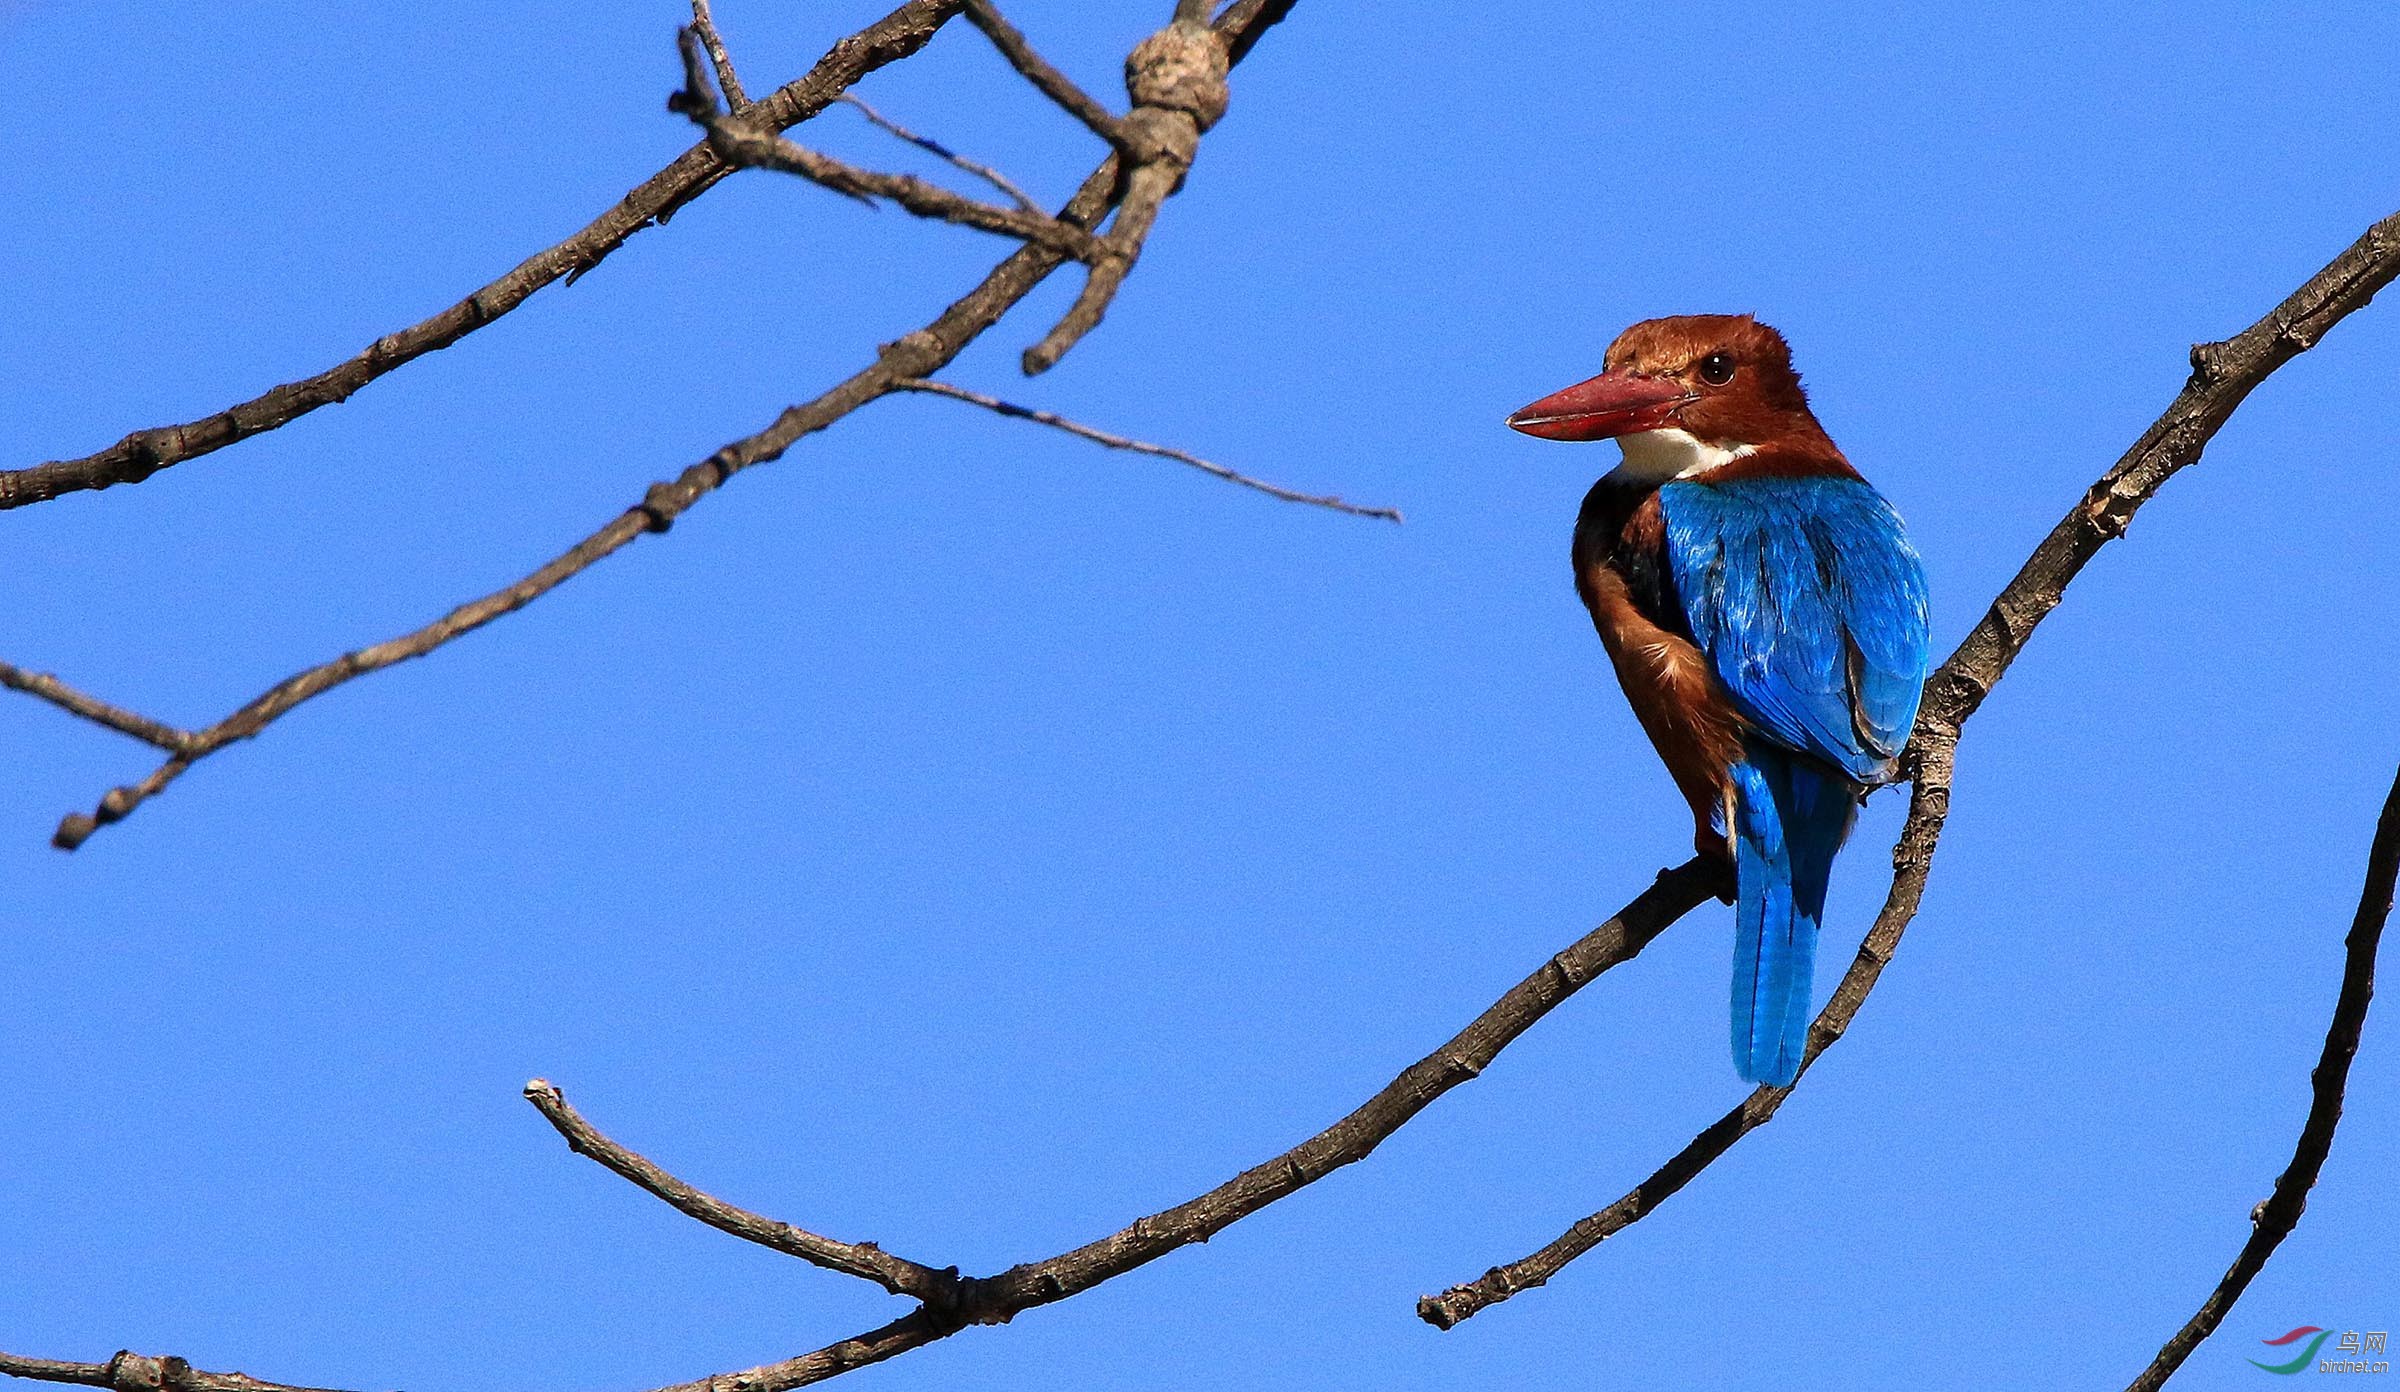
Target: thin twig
x,y
738,142
705,24
1171,62
915,355
1052,83
92,708
864,1260
926,350
1121,442
936,148
2272,1221
2222,375
144,452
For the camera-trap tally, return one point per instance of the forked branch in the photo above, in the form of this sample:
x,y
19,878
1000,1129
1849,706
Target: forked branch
x,y
957,1302
95,710
704,23
1929,803
1176,78
949,1302
2222,375
912,357
897,35
743,143
1176,92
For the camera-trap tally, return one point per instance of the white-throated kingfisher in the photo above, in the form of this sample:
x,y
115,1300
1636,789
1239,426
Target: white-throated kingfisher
x,y
1766,617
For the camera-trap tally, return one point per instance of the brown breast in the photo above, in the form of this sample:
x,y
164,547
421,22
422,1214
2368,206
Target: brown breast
x,y
1667,681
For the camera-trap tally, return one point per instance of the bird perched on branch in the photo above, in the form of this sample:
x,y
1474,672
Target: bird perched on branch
x,y
1766,617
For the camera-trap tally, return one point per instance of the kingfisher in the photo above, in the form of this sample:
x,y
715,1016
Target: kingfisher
x,y
1766,617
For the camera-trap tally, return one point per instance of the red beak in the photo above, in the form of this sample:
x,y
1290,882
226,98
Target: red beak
x,y
1603,408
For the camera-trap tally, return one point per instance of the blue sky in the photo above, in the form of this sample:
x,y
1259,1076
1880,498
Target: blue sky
x,y
957,836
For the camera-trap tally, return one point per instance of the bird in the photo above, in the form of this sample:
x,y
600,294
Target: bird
x,y
1767,618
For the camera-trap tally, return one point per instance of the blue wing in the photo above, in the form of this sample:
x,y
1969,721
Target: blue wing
x,y
1811,606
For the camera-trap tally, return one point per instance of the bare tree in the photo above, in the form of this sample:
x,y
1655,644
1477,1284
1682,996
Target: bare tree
x,y
1176,79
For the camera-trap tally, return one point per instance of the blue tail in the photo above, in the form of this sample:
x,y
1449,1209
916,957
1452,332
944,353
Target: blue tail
x,y
1790,815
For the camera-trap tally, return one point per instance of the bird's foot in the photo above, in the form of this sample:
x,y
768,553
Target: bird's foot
x,y
1715,849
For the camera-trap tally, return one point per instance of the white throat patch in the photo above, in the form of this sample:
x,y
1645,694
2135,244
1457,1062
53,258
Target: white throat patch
x,y
1660,455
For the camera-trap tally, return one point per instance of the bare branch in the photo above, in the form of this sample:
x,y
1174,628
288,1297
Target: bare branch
x,y
1052,83
1108,273
864,1260
131,1372
281,698
998,1299
2222,375
1929,805
936,148
1676,893
738,142
92,708
910,1331
1245,22
1464,1056
1177,80
915,355
1170,67
705,24
1102,437
144,452
2272,1221
950,1303
926,350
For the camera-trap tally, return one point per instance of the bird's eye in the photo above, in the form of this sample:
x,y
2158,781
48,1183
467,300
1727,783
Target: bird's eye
x,y
1717,369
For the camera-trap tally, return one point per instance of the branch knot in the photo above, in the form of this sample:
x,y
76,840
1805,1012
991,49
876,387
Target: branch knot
x,y
1180,68
136,1372
132,1372
911,353
660,503
1168,137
